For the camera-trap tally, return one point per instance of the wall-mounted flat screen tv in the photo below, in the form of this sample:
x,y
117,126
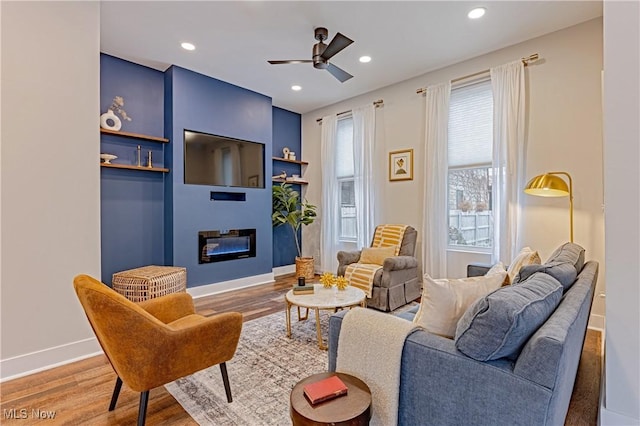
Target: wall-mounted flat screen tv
x,y
222,161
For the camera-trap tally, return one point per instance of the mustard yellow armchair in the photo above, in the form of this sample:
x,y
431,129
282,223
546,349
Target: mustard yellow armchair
x,y
157,341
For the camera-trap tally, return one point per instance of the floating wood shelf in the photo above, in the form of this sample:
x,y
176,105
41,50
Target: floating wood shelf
x,y
134,135
303,163
140,169
293,182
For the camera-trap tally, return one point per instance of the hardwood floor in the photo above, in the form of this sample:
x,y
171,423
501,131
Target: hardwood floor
x,y
79,393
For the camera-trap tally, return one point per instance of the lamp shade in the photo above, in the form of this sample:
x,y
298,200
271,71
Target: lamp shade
x,y
551,185
547,185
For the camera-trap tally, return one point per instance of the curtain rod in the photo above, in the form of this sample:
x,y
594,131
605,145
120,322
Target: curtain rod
x,y
525,62
376,104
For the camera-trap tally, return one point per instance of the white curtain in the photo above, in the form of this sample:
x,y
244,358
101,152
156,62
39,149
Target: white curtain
x,y
329,215
508,86
366,175
434,221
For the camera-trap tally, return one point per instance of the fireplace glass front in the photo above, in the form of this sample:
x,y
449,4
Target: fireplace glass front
x,y
218,246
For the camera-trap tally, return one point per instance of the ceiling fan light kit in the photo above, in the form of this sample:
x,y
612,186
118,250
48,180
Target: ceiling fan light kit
x,y
323,52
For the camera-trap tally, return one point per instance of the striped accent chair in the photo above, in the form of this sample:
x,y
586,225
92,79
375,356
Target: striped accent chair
x,y
396,283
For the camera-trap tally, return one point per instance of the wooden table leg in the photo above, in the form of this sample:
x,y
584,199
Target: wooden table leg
x,y
288,312
320,342
306,314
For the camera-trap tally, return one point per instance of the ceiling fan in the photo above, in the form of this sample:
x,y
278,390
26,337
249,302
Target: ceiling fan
x,y
323,52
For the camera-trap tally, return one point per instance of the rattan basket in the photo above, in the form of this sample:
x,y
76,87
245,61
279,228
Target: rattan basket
x,y
304,267
149,282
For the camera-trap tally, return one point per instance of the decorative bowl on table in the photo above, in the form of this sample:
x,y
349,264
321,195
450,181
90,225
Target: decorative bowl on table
x,y
107,158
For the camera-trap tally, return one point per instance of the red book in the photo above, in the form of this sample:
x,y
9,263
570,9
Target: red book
x,y
323,390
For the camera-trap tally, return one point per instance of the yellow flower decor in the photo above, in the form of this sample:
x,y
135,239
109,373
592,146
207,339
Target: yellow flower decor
x,y
327,279
342,283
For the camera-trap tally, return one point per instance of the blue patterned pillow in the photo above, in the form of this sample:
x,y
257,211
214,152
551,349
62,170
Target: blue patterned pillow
x,y
499,324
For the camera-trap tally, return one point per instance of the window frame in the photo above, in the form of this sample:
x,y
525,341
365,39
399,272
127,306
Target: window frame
x,y
339,181
341,237
483,165
470,248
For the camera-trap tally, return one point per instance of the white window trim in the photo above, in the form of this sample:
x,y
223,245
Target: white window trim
x,y
469,249
341,238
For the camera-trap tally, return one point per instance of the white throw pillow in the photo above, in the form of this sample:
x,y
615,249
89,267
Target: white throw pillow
x,y
524,258
444,301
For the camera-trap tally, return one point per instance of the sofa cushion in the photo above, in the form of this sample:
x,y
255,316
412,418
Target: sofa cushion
x,y
444,301
564,272
410,314
525,257
499,324
377,255
569,252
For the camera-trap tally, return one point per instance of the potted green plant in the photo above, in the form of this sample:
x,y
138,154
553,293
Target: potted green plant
x,y
290,209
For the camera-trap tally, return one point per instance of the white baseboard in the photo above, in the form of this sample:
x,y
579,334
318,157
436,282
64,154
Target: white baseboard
x,y
610,418
607,417
596,322
34,362
224,286
284,270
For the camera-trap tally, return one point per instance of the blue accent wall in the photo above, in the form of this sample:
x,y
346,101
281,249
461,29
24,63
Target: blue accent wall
x,y
132,202
142,89
287,132
168,184
204,104
154,218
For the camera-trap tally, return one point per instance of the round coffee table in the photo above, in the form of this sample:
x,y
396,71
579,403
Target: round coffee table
x,y
352,409
322,299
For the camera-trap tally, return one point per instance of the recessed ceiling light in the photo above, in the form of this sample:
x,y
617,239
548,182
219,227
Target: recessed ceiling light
x,y
476,13
188,46
365,59
296,87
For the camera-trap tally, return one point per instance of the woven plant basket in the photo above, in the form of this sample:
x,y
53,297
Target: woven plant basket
x,y
304,267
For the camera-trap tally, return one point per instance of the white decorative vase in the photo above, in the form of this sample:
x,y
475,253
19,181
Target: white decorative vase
x,y
110,121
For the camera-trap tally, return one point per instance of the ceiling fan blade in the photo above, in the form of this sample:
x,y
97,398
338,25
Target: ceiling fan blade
x,y
291,61
338,43
338,73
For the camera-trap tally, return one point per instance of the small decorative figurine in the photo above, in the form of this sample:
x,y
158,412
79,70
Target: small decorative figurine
x,y
342,283
327,280
109,120
116,106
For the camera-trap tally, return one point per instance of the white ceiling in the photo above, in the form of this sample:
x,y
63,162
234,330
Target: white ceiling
x,y
235,39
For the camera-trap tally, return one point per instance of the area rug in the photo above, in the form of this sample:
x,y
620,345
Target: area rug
x,y
266,366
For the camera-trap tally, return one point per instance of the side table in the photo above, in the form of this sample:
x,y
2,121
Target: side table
x,y
149,282
322,299
353,409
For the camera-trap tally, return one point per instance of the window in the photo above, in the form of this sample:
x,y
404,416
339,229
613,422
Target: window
x,y
345,176
470,173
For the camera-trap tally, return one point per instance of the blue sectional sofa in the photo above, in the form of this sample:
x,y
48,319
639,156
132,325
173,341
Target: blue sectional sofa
x,y
439,385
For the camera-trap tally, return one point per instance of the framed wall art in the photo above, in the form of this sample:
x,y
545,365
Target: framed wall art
x,y
401,165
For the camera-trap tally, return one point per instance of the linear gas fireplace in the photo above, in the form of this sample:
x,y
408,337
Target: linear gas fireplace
x,y
217,246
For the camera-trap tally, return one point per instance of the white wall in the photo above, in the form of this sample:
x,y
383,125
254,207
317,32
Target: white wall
x,y
50,221
622,179
564,133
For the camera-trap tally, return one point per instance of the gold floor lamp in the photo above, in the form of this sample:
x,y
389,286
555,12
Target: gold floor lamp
x,y
551,185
